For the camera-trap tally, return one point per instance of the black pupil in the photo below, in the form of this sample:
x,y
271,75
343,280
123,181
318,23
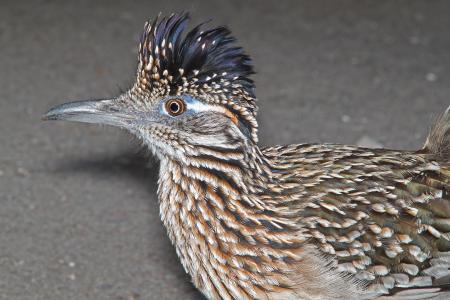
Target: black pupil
x,y
174,107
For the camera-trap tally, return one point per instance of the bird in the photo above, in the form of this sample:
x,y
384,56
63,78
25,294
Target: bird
x,y
297,221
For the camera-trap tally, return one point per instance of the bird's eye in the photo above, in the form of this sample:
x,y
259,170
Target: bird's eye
x,y
175,107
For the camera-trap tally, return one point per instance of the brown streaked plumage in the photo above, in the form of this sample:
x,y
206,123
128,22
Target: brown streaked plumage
x,y
304,221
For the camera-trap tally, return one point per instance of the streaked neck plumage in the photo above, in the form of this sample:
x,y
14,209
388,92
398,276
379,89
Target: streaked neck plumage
x,y
225,227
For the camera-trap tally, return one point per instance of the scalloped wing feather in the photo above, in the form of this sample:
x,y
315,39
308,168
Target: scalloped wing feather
x,y
382,216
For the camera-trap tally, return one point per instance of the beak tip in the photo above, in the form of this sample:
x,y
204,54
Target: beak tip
x,y
48,116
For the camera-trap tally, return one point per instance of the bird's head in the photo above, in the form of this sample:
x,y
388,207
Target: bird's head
x,y
192,89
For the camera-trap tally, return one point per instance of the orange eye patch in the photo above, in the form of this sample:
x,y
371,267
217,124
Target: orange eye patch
x,y
232,116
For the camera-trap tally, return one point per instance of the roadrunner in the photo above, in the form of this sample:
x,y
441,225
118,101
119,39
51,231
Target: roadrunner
x,y
302,221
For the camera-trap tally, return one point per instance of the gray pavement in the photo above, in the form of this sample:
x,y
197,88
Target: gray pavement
x,y
78,209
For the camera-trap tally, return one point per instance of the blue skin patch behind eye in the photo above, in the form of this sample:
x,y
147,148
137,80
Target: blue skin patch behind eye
x,y
192,105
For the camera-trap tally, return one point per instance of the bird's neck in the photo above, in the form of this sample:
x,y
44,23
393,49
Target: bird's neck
x,y
224,226
216,177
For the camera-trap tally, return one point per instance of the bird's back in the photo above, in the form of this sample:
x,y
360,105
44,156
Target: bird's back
x,y
381,217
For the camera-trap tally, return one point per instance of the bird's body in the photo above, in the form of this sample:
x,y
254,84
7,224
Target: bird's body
x,y
307,221
311,214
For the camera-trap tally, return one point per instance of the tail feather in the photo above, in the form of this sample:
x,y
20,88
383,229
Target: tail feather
x,y
438,140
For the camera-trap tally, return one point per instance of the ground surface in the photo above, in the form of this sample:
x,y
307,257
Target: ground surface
x,y
78,212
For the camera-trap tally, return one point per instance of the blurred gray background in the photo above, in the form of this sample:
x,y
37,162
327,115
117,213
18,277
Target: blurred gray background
x,y
78,208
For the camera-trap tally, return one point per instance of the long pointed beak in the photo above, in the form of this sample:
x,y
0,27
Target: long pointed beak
x,y
90,111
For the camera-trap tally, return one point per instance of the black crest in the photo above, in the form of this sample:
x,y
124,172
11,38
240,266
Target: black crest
x,y
204,63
